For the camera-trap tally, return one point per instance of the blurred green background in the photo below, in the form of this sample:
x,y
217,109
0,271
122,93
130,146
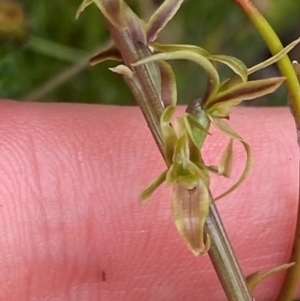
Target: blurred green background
x,y
44,50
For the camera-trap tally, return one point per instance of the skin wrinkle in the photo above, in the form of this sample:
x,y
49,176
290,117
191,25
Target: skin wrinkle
x,y
91,226
24,238
72,271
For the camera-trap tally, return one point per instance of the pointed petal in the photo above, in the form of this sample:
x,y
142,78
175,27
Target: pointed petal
x,y
197,129
161,17
223,109
170,138
190,208
123,70
226,163
296,67
274,58
178,47
265,63
224,127
192,56
244,91
192,167
250,89
109,53
254,279
168,84
82,7
236,65
147,192
230,82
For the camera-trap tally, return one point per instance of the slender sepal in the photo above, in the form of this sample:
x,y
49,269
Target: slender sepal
x,y
170,138
168,84
178,47
223,102
224,127
226,164
236,65
108,53
213,83
161,17
147,192
275,58
254,279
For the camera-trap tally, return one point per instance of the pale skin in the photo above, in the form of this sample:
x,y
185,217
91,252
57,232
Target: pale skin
x,y
71,227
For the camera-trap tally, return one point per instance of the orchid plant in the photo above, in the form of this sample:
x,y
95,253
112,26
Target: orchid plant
x,y
181,141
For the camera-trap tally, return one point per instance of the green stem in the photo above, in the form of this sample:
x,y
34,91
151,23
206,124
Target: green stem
x,y
285,66
292,276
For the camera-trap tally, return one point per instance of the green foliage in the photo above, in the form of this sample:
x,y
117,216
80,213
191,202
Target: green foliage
x,y
24,66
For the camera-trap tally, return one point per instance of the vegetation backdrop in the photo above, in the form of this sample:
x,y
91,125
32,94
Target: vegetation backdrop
x,y
44,50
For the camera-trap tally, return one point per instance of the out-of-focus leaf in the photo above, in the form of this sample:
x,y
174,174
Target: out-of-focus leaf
x,y
190,208
224,127
254,279
274,58
161,17
12,21
192,56
245,91
147,192
168,84
236,65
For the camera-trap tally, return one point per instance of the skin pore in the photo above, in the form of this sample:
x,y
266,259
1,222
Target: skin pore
x,y
71,227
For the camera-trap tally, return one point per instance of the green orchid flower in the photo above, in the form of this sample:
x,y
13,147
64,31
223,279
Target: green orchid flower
x,y
186,171
220,98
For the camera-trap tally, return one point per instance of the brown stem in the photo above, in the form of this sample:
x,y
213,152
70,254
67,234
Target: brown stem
x,y
146,96
221,252
224,260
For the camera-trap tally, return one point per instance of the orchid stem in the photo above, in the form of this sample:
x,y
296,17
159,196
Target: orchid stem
x,y
221,253
292,276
